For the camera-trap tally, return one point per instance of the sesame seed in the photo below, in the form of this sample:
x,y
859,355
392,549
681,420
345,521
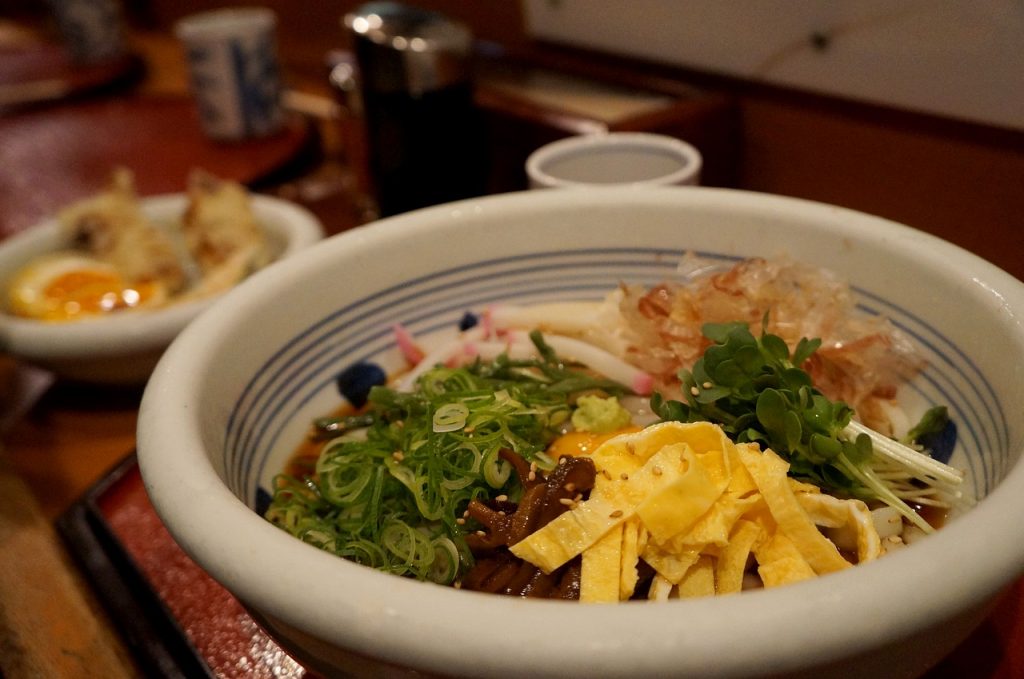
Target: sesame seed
x,y
579,496
569,487
532,476
469,430
457,584
695,391
707,385
616,514
465,514
398,455
533,466
566,501
502,498
501,512
563,460
481,534
461,521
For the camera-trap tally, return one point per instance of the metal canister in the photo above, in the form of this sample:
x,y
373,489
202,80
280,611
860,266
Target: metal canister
x,y
426,141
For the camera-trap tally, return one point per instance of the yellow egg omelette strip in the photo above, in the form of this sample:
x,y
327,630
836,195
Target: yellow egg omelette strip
x,y
615,462
675,507
732,562
715,463
579,528
620,457
602,562
701,436
869,545
634,535
825,511
715,525
780,562
671,566
604,568
617,456
741,483
699,580
601,576
769,471
832,512
803,487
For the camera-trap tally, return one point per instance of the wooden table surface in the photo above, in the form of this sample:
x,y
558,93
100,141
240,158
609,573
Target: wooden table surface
x,y
60,438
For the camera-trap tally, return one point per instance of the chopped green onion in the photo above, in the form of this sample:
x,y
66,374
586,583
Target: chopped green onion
x,y
450,417
392,499
496,470
446,561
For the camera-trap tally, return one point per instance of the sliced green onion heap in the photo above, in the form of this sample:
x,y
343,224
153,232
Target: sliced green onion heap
x,y
394,498
757,392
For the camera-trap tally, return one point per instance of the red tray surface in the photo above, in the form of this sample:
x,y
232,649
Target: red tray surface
x,y
220,629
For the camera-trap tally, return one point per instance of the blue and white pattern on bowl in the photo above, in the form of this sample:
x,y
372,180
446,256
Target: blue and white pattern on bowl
x,y
302,372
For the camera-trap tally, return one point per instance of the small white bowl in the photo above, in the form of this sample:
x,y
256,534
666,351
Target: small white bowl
x,y
615,158
218,423
123,348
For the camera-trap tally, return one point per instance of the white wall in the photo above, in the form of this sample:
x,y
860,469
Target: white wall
x,y
962,59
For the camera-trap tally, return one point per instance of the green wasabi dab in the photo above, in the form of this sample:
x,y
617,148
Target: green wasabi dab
x,y
599,415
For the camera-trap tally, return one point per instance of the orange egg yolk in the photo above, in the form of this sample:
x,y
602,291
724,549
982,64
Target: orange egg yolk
x,y
82,293
583,442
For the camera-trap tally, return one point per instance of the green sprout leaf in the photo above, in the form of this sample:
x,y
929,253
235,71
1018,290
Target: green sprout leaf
x,y
775,346
804,349
933,421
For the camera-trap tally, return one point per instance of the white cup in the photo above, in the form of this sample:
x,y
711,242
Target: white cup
x,y
622,158
232,59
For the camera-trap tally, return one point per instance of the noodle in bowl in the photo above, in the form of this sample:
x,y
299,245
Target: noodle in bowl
x,y
235,393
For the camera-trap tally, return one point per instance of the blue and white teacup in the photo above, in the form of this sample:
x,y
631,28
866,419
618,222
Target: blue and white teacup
x,y
232,59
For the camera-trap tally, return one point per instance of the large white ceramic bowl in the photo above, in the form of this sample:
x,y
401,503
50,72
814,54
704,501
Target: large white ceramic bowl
x,y
235,393
123,348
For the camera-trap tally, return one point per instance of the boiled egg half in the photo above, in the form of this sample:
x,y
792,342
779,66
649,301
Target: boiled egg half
x,y
67,286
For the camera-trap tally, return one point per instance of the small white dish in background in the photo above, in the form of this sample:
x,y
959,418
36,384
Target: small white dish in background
x,y
217,425
122,348
616,158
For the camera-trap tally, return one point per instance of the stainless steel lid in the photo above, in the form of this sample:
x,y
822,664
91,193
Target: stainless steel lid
x,y
407,49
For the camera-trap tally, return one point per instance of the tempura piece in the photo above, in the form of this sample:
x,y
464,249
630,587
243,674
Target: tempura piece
x,y
112,227
221,232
